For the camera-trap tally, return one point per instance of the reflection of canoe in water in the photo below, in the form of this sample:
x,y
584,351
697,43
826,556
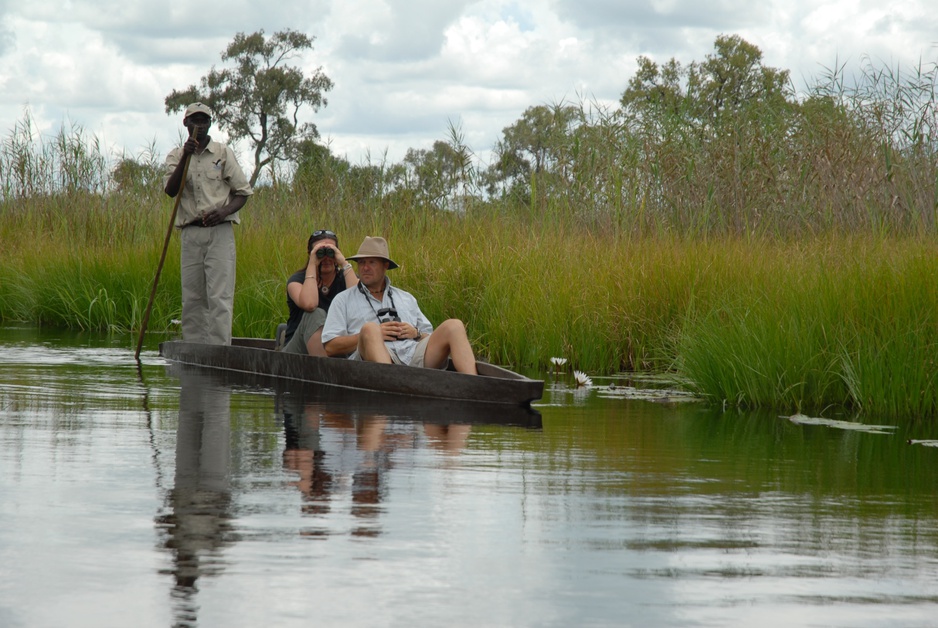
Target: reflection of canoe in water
x,y
364,404
493,385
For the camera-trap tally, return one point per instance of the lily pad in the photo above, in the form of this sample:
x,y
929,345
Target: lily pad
x,y
802,419
659,395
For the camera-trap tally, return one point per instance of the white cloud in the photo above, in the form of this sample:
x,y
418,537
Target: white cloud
x,y
400,30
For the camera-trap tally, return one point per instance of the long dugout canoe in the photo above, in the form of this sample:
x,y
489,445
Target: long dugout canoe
x,y
493,385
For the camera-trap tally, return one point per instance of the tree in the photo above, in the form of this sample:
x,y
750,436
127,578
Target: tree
x,y
260,97
132,175
537,144
655,93
729,81
734,78
442,176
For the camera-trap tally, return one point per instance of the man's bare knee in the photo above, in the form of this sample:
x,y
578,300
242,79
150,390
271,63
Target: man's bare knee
x,y
452,326
371,344
370,328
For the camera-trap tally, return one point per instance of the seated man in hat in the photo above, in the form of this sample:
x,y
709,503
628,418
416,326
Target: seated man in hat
x,y
378,323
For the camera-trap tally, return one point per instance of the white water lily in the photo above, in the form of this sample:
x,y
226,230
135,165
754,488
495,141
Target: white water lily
x,y
582,379
557,364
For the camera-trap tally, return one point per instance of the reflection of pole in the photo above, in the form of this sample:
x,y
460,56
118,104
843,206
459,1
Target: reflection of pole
x,y
159,268
149,415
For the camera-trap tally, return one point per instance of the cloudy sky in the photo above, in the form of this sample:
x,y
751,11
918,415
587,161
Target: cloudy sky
x,y
405,69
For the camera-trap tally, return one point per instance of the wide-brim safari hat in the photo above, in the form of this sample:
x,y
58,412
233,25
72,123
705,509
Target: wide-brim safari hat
x,y
374,247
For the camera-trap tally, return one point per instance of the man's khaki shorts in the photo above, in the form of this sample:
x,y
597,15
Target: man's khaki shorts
x,y
420,352
417,360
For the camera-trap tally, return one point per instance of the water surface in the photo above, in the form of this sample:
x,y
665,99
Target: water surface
x,y
159,496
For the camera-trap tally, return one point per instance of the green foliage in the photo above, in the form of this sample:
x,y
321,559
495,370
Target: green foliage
x,y
138,176
537,145
844,322
802,324
733,80
260,98
704,96
439,176
655,93
777,252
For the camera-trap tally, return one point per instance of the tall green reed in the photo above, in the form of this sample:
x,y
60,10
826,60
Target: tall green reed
x,y
759,259
843,322
69,161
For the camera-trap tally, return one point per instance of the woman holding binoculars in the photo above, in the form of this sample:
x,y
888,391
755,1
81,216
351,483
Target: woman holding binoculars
x,y
310,290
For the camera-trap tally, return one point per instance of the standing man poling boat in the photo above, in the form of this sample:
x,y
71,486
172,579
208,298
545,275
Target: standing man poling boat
x,y
215,189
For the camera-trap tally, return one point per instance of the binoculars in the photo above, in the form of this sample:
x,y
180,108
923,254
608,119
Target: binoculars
x,y
325,251
388,314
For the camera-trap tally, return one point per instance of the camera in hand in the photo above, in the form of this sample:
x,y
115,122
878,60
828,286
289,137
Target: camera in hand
x,y
388,314
325,251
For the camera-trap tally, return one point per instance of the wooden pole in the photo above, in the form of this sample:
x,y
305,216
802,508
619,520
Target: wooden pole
x,y
159,268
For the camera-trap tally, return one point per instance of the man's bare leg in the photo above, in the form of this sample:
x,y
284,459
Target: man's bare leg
x,y
371,346
450,340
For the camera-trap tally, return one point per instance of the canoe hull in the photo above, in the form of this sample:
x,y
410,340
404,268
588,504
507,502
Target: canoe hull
x,y
493,384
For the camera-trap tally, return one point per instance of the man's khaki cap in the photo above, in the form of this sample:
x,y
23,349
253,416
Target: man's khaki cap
x,y
198,107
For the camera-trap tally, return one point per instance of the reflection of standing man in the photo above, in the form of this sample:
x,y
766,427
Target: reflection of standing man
x,y
215,189
198,525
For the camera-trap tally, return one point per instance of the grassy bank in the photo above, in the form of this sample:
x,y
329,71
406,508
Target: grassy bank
x,y
780,252
797,324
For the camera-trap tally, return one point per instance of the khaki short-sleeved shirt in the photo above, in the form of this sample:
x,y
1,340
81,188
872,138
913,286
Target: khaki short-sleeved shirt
x,y
213,175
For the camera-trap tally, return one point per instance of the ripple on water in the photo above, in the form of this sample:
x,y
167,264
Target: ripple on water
x,y
612,511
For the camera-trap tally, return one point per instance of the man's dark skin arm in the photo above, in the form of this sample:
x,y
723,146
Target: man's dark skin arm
x,y
217,216
175,179
198,140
